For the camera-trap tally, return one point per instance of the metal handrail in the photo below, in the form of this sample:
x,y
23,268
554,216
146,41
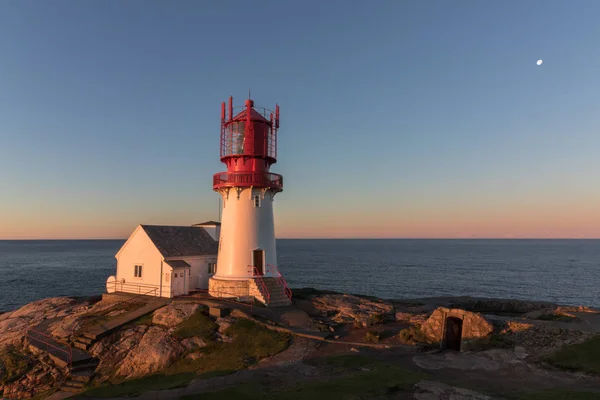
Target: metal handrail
x,y
248,178
263,111
257,276
280,279
68,353
129,285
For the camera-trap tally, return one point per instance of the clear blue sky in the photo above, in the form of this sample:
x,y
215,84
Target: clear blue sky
x,y
398,118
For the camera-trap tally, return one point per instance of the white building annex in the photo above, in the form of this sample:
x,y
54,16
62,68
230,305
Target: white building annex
x,y
166,261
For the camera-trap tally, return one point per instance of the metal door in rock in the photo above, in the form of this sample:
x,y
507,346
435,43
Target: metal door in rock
x,y
453,334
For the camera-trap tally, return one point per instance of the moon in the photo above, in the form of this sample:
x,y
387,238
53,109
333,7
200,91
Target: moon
x,y
539,62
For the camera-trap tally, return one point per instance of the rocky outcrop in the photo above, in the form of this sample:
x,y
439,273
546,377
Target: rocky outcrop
x,y
174,313
140,351
13,331
41,376
431,390
499,305
541,341
344,308
155,351
410,318
474,326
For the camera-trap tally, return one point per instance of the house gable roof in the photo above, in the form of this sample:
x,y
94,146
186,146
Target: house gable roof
x,y
181,241
177,264
208,223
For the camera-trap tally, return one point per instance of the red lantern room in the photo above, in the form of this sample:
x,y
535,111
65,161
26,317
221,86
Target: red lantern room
x,y
248,147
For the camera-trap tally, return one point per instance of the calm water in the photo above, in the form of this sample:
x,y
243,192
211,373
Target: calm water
x,y
565,271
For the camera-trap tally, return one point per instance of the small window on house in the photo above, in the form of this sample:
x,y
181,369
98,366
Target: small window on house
x,y
167,277
256,200
212,268
137,271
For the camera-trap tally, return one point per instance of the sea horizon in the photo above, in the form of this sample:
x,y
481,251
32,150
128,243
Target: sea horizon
x,y
334,238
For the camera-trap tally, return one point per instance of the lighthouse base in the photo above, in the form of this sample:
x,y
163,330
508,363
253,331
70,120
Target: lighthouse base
x,y
266,290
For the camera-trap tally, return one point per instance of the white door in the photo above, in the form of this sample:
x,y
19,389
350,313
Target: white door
x,y
178,283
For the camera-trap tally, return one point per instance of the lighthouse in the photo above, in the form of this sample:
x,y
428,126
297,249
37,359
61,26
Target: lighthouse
x,y
247,256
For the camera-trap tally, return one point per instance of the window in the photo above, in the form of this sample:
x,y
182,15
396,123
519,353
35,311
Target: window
x,y
256,200
167,277
137,271
212,268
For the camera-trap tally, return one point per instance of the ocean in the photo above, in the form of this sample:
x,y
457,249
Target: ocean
x,y
563,271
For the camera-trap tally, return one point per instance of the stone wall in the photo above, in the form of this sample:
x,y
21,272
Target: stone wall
x,y
474,326
228,289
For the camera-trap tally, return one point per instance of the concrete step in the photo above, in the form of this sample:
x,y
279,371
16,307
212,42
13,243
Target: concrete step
x,y
279,303
89,366
74,383
83,339
71,388
82,346
82,376
58,361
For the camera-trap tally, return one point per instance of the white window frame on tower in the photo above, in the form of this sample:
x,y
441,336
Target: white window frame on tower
x,y
256,200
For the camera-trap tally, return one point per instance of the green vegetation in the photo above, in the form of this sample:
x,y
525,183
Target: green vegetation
x,y
579,357
251,342
558,317
143,320
136,387
372,337
413,335
13,365
376,319
494,341
366,379
199,324
559,394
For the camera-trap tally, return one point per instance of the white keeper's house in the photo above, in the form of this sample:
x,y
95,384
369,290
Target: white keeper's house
x,y
167,261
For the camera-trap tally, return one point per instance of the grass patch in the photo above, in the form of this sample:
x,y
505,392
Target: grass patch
x,y
558,394
199,324
579,357
13,365
251,342
494,341
345,361
558,317
413,335
372,337
380,380
136,387
143,320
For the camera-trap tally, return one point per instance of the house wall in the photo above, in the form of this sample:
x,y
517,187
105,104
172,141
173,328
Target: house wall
x,y
139,250
199,270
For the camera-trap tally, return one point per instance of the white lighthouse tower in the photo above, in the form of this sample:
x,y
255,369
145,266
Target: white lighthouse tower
x,y
247,261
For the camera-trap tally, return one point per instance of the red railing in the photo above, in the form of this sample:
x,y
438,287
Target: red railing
x,y
273,270
261,283
266,179
68,352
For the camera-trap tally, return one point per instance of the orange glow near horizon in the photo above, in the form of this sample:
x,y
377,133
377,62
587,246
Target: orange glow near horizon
x,y
535,221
